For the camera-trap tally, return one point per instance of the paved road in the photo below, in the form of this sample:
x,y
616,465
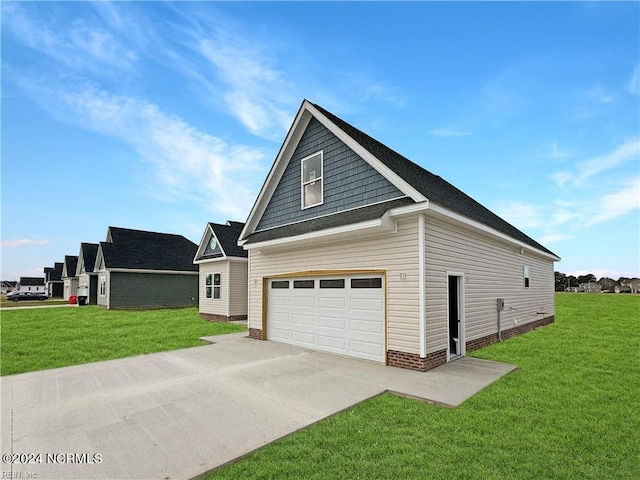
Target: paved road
x,y
178,414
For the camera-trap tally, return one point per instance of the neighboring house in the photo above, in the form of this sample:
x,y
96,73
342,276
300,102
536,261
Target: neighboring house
x,y
87,278
355,250
590,287
622,289
223,273
633,284
53,280
7,286
138,269
69,276
31,284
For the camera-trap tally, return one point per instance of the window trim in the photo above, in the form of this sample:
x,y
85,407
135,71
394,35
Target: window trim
x,y
102,286
310,182
217,286
526,272
208,284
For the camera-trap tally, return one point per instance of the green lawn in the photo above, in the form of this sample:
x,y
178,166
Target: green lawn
x,y
572,411
37,339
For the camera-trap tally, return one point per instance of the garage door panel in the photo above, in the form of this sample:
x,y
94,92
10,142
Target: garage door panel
x,y
366,305
332,342
365,326
332,316
335,303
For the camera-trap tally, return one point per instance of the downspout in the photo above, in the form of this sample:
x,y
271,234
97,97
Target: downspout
x,y
422,285
499,307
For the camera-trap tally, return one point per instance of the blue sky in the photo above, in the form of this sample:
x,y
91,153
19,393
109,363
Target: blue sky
x,y
164,116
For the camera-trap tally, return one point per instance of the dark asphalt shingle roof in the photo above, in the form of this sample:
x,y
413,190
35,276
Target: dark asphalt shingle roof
x,y
31,281
433,187
138,249
227,235
349,217
89,252
71,263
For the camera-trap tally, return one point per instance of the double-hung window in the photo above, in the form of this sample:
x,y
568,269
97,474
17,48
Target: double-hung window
x,y
527,278
213,283
312,194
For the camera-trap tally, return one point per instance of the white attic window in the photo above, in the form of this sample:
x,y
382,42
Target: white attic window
x,y
312,191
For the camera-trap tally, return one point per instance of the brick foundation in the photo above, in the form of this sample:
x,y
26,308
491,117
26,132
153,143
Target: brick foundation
x,y
211,317
413,361
487,340
255,333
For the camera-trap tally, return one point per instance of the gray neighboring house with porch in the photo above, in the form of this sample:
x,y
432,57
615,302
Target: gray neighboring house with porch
x,y
87,278
138,269
356,250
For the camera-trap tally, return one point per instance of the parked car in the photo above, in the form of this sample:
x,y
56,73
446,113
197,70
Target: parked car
x,y
18,296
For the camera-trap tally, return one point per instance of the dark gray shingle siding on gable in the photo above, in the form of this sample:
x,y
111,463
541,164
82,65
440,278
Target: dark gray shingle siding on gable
x,y
348,181
89,251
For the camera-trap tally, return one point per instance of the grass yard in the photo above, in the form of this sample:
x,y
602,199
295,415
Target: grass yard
x,y
572,411
37,339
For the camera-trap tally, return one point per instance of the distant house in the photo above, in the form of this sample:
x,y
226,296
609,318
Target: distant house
x,y
223,273
633,284
140,269
69,276
53,280
590,287
87,278
7,286
32,284
622,289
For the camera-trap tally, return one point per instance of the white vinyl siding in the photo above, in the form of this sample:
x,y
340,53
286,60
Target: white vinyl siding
x,y
394,253
233,288
492,269
237,286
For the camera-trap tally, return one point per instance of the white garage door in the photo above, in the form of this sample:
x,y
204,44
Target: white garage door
x,y
342,314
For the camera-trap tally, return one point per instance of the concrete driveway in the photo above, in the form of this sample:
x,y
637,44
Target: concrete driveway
x,y
178,414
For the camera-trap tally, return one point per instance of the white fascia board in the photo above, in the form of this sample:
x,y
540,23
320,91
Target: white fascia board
x,y
275,174
385,223
203,244
380,167
141,270
219,259
486,229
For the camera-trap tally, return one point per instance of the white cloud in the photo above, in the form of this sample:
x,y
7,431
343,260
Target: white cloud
x,y
598,94
23,242
186,162
556,153
633,85
255,91
617,204
449,132
627,151
79,45
561,178
553,238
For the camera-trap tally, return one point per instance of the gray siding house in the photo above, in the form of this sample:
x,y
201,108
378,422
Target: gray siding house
x,y
87,278
140,269
356,250
53,280
223,273
69,277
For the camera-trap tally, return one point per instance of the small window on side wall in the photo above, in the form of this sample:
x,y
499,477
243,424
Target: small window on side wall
x,y
208,284
312,179
217,282
526,277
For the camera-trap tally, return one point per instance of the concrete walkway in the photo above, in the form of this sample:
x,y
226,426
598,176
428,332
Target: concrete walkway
x,y
178,414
